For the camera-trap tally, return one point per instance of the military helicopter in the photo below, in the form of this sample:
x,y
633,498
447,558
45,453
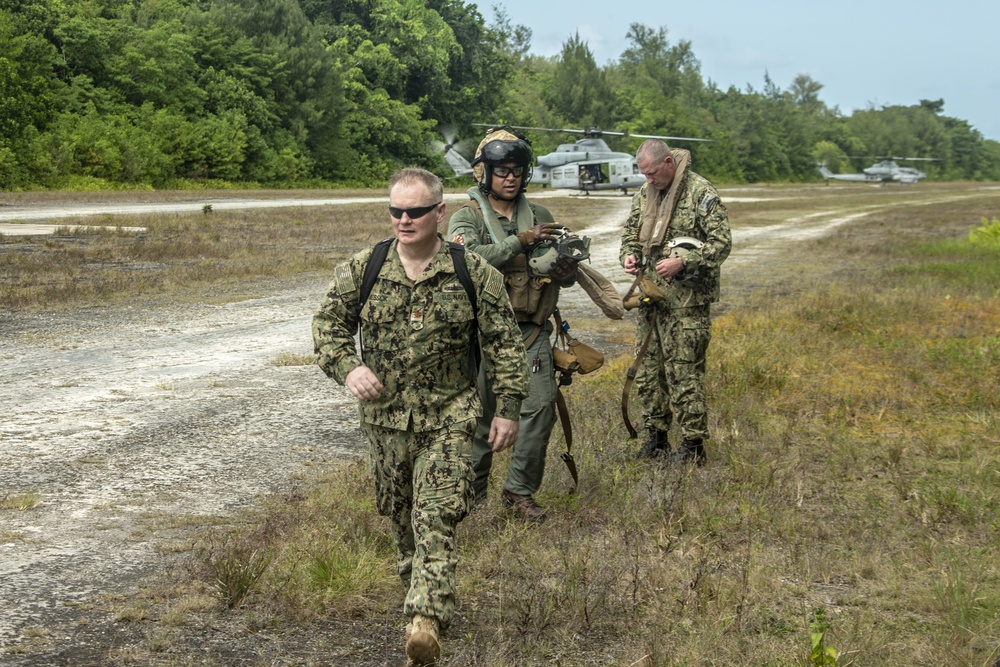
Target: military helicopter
x,y
884,171
586,165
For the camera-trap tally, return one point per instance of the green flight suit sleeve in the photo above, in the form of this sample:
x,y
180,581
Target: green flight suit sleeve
x,y
471,226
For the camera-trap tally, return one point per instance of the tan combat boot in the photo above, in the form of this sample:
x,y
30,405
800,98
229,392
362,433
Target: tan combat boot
x,y
524,506
422,644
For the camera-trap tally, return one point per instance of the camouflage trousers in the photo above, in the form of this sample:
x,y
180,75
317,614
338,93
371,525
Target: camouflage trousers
x,y
671,380
423,483
538,418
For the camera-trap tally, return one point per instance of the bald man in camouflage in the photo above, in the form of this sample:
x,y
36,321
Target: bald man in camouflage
x,y
418,397
675,207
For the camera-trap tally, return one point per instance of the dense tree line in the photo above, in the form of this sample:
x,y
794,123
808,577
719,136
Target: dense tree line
x,y
174,93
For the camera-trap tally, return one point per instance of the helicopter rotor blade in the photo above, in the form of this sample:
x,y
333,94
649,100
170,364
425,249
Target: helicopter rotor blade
x,y
596,132
893,157
537,129
659,136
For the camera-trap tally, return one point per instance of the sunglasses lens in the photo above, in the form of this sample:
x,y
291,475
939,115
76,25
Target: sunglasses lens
x,y
411,213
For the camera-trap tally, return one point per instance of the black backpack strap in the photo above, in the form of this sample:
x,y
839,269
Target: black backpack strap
x,y
374,265
457,251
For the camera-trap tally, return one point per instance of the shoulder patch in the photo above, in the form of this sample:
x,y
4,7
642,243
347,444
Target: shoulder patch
x,y
707,203
493,285
344,279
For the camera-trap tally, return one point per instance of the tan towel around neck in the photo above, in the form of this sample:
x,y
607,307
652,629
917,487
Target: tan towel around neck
x,y
660,206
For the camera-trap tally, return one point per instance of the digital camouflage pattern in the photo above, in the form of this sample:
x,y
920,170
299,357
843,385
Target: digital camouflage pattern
x,y
416,338
671,380
423,483
699,213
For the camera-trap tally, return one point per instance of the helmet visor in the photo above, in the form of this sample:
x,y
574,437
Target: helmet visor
x,y
499,150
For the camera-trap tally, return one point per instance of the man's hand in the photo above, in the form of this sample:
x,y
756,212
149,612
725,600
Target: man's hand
x,y
668,267
503,433
632,265
563,272
363,384
459,239
549,230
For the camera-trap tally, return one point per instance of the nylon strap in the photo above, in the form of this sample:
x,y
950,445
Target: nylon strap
x,y
630,379
567,427
530,340
635,283
563,411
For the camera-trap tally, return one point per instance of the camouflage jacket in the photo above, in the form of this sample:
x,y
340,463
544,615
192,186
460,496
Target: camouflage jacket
x,y
700,214
416,338
506,253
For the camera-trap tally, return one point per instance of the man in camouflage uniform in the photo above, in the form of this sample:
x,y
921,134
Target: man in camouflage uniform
x,y
418,397
501,225
674,203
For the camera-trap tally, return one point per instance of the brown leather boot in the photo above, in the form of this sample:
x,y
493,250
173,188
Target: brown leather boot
x,y
423,647
524,506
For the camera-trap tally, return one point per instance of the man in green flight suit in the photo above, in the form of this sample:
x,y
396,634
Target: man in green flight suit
x,y
674,241
500,224
418,399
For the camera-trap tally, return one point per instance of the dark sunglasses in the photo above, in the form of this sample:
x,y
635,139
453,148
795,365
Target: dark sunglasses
x,y
504,172
412,213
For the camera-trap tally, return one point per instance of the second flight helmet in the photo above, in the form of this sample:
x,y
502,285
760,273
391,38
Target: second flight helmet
x,y
500,146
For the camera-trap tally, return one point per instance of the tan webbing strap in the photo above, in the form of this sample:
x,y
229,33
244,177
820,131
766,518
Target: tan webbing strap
x,y
567,427
630,379
635,284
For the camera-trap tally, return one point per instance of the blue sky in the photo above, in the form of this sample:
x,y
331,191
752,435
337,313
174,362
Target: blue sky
x,y
876,52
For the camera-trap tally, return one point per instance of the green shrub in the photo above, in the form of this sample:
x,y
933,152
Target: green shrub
x,y
988,233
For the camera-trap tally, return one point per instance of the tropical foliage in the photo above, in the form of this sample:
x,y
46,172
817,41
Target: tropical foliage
x,y
192,93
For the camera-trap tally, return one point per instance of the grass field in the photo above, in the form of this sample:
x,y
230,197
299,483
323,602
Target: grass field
x,y
849,513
